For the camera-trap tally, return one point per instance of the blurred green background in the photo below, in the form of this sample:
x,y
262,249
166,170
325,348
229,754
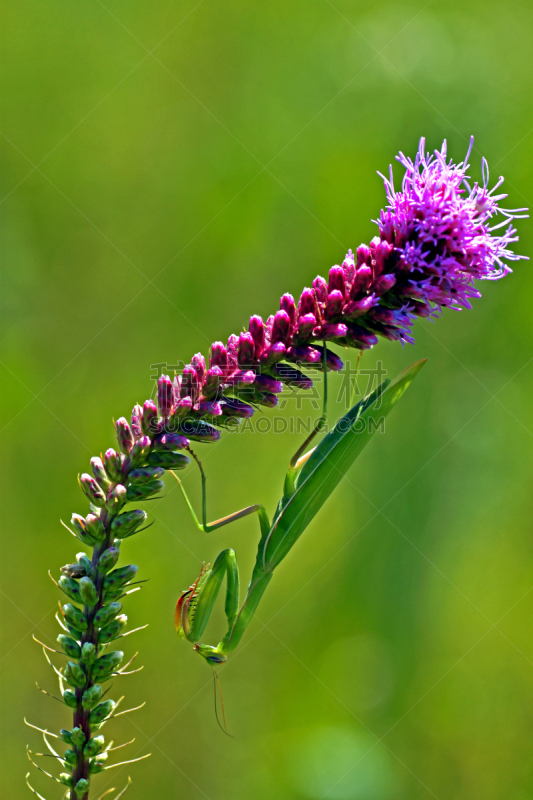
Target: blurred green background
x,y
169,169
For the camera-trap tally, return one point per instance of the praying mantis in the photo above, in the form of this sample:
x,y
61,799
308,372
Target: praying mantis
x,y
310,480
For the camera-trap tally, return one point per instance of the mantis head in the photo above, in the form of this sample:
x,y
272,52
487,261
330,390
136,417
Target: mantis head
x,y
212,655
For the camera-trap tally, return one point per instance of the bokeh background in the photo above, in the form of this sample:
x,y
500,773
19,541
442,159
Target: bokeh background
x,y
169,169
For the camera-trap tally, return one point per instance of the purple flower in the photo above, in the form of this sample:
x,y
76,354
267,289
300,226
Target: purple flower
x,y
436,236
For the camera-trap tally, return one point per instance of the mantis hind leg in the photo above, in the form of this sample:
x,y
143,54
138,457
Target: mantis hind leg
x,y
300,456
206,526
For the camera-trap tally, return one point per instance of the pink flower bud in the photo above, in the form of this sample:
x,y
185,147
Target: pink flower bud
x,y
124,435
213,379
281,328
334,304
307,303
348,267
355,308
288,305
113,464
304,355
333,331
232,349
136,418
210,407
198,362
149,417
364,256
257,330
306,325
171,441
245,349
219,356
361,282
164,395
190,386
321,290
265,383
336,280
231,407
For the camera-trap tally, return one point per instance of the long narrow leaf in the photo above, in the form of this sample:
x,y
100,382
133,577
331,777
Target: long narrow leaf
x,y
328,464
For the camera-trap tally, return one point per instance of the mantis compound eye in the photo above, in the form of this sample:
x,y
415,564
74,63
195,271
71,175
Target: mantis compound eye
x,y
211,654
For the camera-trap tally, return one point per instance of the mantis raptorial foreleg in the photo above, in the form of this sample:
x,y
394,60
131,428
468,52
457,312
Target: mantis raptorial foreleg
x,y
206,526
195,605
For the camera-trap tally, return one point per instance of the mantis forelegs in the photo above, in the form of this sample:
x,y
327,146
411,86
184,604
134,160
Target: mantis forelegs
x,y
195,605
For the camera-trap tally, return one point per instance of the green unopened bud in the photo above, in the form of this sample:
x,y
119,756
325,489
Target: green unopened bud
x,y
74,570
70,698
97,764
70,757
116,498
108,559
100,473
82,787
124,435
141,491
83,558
112,595
94,746
92,490
145,474
88,592
94,527
126,524
80,527
65,735
75,675
91,696
112,630
106,614
88,653
113,464
78,737
74,632
167,460
139,451
70,647
107,664
119,577
70,587
149,418
101,711
75,617
65,779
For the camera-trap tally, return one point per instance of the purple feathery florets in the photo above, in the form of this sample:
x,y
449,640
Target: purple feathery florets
x,y
435,238
440,233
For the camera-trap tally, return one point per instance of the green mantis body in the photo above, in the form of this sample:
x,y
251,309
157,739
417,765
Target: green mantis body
x,y
309,482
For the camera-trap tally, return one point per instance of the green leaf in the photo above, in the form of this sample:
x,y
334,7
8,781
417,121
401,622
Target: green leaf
x,y
328,464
